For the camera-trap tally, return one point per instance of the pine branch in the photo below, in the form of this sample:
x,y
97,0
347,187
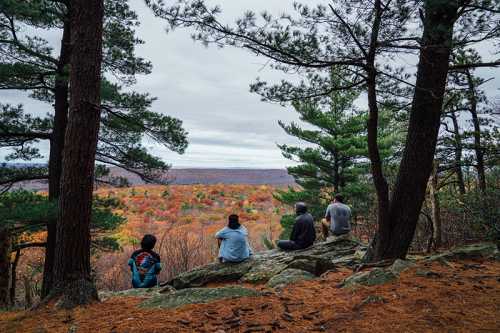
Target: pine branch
x,y
460,67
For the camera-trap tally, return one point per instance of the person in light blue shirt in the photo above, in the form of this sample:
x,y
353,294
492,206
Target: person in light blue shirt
x,y
233,241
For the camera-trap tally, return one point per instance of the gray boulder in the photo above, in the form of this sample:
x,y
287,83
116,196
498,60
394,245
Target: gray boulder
x,y
369,278
288,276
400,266
215,272
196,296
472,251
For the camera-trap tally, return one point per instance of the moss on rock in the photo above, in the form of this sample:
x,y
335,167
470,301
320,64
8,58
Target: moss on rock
x,y
288,276
196,296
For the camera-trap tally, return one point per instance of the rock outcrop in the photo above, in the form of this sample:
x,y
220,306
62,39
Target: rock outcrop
x,y
277,269
262,267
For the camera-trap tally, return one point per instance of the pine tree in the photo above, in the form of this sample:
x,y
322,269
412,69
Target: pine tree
x,y
73,283
335,144
27,62
335,159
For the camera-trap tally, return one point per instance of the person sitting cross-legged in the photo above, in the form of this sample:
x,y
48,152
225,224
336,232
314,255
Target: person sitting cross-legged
x,y
303,233
145,264
337,218
233,241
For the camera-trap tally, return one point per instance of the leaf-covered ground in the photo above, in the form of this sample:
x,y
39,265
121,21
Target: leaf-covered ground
x,y
463,297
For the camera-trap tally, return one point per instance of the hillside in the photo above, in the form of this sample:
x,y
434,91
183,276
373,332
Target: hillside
x,y
185,176
456,291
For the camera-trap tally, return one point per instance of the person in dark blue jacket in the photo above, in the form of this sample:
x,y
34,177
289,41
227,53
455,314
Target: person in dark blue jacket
x,y
303,233
145,264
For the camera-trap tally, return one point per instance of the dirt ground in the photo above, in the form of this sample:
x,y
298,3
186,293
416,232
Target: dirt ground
x,y
462,298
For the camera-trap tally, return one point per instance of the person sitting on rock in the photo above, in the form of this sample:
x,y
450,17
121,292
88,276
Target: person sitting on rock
x,y
233,241
303,233
145,264
337,218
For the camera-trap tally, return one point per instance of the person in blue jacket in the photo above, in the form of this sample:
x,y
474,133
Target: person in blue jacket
x,y
145,264
233,241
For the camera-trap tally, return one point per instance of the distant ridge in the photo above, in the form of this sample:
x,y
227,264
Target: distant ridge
x,y
189,176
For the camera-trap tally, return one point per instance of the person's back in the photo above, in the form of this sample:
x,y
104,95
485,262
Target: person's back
x,y
339,215
145,264
303,233
234,245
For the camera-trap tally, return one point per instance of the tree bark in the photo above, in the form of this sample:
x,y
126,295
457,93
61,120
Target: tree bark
x,y
379,180
28,293
5,255
435,208
72,275
13,277
396,230
61,107
458,153
472,96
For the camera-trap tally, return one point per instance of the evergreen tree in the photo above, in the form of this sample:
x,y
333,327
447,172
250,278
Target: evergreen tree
x,y
335,160
336,142
72,281
28,62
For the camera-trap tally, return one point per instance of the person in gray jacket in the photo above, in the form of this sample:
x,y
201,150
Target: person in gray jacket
x,y
337,218
303,233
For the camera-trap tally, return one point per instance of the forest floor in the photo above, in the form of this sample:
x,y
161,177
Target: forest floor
x,y
462,297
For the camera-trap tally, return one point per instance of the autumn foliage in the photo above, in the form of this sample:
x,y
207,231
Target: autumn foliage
x,y
184,218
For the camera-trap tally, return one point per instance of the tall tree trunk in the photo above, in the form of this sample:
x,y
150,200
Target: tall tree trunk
x,y
5,254
72,275
28,292
396,231
458,153
472,96
13,278
379,180
436,212
61,107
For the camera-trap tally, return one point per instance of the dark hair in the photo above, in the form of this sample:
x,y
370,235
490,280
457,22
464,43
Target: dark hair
x,y
300,208
233,221
339,197
148,242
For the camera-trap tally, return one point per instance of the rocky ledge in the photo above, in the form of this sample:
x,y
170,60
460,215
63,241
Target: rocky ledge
x,y
276,269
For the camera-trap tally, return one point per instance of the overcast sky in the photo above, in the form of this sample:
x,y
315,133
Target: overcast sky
x,y
208,89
